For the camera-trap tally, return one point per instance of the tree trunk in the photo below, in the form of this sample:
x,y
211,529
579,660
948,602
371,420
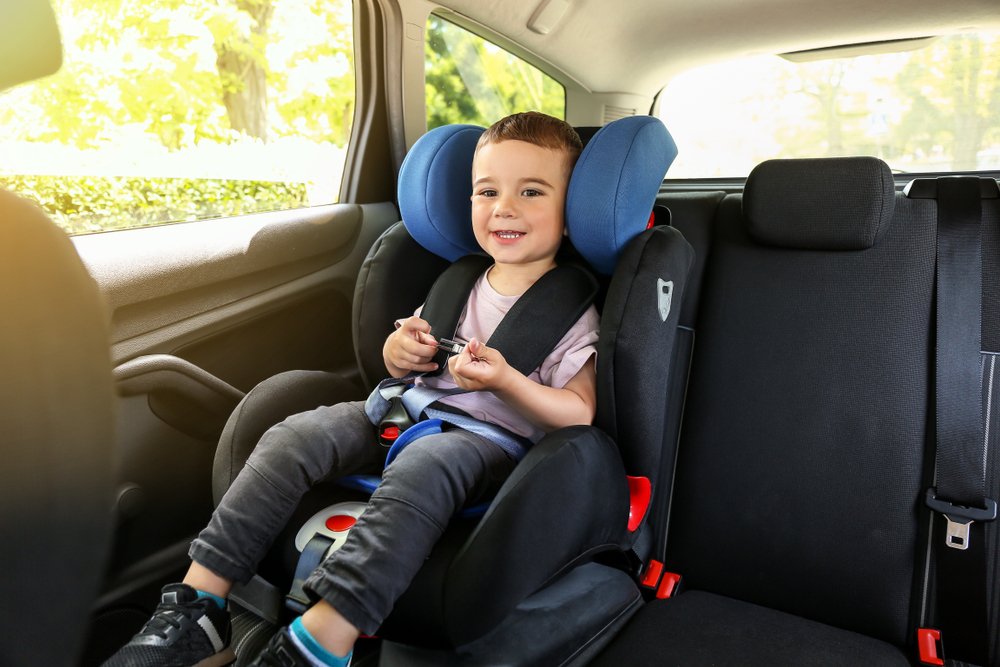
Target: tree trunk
x,y
969,127
240,61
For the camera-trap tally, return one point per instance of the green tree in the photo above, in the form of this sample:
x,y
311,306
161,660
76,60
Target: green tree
x,y
953,89
469,80
141,64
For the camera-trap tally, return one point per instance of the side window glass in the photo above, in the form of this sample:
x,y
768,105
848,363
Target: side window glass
x,y
177,110
935,108
470,80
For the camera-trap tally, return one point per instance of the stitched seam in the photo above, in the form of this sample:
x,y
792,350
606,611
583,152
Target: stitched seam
x,y
989,406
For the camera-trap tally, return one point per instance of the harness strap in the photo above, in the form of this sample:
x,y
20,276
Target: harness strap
x,y
417,402
543,315
511,443
534,325
445,304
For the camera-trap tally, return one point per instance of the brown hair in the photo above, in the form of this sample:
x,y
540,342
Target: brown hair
x,y
538,129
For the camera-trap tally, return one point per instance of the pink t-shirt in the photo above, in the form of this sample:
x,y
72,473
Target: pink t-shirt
x,y
483,313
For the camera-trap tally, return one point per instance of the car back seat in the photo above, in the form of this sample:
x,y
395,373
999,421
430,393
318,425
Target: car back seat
x,y
797,516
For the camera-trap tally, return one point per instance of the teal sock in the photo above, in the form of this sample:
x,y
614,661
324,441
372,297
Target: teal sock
x,y
315,653
219,601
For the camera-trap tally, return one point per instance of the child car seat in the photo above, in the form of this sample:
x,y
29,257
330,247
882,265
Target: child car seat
x,y
482,585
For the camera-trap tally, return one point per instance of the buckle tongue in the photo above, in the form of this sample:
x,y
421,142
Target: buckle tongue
x,y
957,535
959,518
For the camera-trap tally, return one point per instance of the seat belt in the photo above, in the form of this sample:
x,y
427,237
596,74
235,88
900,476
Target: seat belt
x,y
959,494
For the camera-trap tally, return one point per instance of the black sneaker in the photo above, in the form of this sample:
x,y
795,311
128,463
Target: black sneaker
x,y
281,651
185,631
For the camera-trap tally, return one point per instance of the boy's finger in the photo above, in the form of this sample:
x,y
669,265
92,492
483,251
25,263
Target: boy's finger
x,y
423,368
417,324
407,358
416,347
476,349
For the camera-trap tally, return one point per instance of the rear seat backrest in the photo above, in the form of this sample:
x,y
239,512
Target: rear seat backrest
x,y
801,457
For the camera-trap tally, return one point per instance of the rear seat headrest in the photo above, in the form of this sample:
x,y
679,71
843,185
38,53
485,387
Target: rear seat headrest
x,y
435,184
614,187
841,203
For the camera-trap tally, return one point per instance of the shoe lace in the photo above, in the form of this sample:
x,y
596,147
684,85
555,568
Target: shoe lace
x,y
165,618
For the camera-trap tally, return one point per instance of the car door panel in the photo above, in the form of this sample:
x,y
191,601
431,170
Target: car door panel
x,y
200,313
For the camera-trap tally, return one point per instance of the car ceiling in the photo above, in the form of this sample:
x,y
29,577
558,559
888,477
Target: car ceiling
x,y
637,46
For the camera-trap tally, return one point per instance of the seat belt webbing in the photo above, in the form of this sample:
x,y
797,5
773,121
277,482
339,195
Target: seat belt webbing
x,y
960,476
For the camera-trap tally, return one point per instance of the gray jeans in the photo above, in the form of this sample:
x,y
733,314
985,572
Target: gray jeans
x,y
421,489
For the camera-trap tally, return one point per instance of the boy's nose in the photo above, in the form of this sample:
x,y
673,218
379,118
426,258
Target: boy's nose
x,y
504,208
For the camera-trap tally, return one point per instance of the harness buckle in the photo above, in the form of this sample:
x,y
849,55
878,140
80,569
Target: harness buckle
x,y
395,421
959,518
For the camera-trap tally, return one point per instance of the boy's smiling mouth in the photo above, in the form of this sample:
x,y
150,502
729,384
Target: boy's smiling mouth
x,y
508,235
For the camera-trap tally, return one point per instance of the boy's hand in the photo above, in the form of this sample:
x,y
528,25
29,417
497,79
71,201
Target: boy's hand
x,y
479,368
410,348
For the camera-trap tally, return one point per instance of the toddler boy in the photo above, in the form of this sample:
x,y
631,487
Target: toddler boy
x,y
520,177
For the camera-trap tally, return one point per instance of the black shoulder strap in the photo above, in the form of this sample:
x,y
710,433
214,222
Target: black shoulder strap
x,y
959,494
543,315
535,324
446,301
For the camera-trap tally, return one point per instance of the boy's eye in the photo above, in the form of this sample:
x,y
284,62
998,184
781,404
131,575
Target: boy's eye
x,y
488,193
531,192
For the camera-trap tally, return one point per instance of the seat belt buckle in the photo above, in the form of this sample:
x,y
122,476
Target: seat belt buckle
x,y
959,518
652,576
930,646
670,586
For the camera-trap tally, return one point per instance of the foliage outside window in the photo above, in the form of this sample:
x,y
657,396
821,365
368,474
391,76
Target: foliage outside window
x,y
933,109
174,110
470,80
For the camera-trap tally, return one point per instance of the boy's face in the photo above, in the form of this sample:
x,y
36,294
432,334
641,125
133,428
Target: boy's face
x,y
518,199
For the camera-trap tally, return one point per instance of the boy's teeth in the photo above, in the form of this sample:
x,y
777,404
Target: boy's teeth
x,y
508,235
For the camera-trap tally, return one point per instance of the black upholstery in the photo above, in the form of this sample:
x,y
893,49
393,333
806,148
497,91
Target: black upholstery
x,y
634,357
57,443
267,404
807,406
704,630
691,213
597,599
821,203
393,282
796,517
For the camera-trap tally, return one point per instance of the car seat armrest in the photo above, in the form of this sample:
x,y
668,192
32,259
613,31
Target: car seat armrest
x,y
567,500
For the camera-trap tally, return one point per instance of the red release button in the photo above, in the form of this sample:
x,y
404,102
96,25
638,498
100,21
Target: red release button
x,y
390,433
339,522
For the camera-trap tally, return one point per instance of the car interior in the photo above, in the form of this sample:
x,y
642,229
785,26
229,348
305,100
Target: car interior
x,y
791,463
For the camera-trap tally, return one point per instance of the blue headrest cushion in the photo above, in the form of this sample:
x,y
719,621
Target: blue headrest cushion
x,y
435,186
614,187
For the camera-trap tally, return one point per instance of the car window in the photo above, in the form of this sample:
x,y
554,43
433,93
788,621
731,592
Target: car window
x,y
470,80
177,110
936,108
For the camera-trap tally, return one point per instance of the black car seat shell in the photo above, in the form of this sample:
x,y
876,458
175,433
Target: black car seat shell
x,y
459,605
797,516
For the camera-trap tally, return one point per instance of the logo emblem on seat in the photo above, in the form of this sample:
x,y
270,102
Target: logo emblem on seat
x,y
664,295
